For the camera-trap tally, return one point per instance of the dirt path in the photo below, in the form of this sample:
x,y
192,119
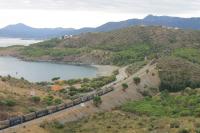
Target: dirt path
x,y
105,70
110,101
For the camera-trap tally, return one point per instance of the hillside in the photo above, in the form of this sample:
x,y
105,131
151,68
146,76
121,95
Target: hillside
x,y
163,112
26,32
176,74
119,47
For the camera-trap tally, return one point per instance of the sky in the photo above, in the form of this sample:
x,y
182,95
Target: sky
x,y
89,13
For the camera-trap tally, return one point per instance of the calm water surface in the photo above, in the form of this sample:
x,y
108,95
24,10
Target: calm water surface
x,y
43,71
5,42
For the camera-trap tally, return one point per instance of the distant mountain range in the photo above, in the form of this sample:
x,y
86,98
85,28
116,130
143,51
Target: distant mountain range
x,y
23,31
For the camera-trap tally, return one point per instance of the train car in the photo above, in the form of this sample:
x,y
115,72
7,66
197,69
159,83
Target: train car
x,y
41,113
69,104
91,96
77,101
29,116
100,93
84,98
61,106
16,120
111,89
108,90
52,109
4,124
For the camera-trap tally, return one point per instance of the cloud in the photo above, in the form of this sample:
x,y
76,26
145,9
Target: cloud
x,y
90,13
125,6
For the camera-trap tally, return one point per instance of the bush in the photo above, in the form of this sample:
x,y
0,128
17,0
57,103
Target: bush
x,y
175,124
184,130
48,100
197,130
124,86
73,81
57,101
35,99
136,80
185,113
97,101
8,102
58,125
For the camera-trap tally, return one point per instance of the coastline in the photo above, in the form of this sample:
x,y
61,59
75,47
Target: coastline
x,y
102,70
105,70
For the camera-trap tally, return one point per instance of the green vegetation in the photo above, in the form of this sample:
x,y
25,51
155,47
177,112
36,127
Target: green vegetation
x,y
132,68
57,101
124,86
49,100
96,83
121,122
177,74
97,101
131,54
8,102
36,99
84,85
73,81
186,104
120,47
40,51
136,80
56,78
190,54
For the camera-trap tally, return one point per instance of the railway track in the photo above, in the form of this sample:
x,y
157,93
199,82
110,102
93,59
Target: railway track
x,y
50,110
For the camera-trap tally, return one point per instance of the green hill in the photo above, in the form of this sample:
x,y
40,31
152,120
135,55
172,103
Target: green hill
x,y
176,74
118,47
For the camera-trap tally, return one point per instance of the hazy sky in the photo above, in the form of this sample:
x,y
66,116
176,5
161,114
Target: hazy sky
x,y
89,13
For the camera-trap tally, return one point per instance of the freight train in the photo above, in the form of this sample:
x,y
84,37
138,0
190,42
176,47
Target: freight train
x,y
50,110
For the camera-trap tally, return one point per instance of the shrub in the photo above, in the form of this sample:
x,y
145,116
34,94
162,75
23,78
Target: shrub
x,y
175,124
97,101
197,130
57,101
8,102
185,113
73,81
58,125
124,86
48,100
3,79
136,80
184,130
35,99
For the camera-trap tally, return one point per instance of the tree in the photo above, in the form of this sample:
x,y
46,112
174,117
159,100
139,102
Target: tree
x,y
136,80
56,78
97,101
124,86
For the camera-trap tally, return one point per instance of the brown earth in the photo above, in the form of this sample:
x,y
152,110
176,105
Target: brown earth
x,y
110,101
